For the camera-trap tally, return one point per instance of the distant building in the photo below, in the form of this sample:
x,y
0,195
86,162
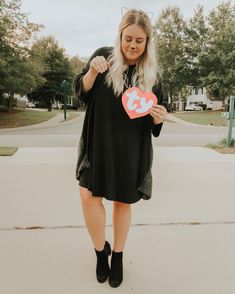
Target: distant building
x,y
199,97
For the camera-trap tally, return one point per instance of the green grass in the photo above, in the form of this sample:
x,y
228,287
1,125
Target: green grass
x,y
204,118
7,151
222,147
71,115
19,118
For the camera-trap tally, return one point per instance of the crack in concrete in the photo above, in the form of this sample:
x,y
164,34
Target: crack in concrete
x,y
38,227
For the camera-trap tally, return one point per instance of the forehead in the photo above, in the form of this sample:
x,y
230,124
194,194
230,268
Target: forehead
x,y
134,31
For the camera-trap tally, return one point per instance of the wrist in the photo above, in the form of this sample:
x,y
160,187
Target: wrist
x,y
156,121
92,73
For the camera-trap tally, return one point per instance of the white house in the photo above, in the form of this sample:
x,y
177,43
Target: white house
x,y
199,97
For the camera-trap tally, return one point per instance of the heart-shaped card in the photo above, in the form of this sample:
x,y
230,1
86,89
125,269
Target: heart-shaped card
x,y
137,103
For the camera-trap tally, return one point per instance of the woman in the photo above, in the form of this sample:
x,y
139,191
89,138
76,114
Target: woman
x,y
115,152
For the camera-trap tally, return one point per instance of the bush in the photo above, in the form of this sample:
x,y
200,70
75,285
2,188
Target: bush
x,y
75,103
21,104
3,108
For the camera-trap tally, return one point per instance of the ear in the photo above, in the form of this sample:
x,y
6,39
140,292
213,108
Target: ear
x,y
124,10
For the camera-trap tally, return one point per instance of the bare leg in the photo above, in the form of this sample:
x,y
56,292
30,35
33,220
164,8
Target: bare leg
x,y
121,224
94,216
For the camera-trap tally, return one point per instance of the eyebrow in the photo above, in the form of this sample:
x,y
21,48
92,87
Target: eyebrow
x,y
139,38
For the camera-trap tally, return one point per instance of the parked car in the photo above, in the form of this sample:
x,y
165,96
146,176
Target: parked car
x,y
193,107
30,105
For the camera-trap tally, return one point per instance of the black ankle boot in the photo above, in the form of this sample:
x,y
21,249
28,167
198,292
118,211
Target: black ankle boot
x,y
102,266
116,272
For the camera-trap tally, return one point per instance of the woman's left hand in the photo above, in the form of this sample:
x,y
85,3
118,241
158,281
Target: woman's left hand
x,y
158,113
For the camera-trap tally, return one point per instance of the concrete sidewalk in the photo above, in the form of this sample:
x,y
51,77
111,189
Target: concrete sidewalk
x,y
181,241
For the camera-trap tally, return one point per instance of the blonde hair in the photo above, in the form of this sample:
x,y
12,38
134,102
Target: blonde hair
x,y
146,66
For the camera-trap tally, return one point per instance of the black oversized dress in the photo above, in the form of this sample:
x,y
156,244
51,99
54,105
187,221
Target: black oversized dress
x,y
115,152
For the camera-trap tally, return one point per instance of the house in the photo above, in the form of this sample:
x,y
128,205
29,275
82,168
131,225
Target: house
x,y
199,97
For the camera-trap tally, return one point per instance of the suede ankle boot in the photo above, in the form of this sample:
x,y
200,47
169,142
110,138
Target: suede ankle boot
x,y
102,266
116,272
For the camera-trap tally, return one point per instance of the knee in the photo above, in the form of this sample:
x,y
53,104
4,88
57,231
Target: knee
x,y
88,199
121,205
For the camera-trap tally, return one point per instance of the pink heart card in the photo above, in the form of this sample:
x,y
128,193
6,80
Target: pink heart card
x,y
137,103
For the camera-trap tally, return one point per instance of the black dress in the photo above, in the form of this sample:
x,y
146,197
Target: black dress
x,y
115,152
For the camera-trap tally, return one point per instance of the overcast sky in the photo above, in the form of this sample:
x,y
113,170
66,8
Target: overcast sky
x,y
82,26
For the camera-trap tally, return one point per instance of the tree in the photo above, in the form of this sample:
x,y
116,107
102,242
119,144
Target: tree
x,y
169,32
56,68
77,64
15,29
17,73
217,60
196,35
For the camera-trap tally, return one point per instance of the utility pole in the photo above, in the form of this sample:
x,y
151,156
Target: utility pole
x,y
65,88
230,121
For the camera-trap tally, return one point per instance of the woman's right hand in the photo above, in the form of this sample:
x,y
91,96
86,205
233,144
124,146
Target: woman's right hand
x,y
99,64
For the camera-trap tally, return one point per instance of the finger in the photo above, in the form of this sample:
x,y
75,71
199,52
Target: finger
x,y
103,66
102,62
93,64
161,111
157,115
156,111
99,68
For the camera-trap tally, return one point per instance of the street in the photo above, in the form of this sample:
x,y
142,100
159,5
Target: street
x,y
67,135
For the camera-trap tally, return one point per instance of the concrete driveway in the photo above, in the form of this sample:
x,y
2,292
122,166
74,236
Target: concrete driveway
x,y
181,241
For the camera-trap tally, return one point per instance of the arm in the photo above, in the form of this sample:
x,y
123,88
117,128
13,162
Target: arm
x,y
159,112
97,65
84,82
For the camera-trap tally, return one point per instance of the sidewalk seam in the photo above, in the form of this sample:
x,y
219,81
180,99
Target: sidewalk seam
x,y
194,223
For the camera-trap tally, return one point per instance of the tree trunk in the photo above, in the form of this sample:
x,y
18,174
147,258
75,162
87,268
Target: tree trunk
x,y
10,101
171,98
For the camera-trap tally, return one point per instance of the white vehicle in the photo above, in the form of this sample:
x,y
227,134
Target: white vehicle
x,y
193,107
30,105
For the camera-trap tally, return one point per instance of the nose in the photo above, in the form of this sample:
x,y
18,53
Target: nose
x,y
133,46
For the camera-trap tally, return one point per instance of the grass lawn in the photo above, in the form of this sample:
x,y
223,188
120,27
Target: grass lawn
x,y
225,150
19,118
222,147
204,118
7,151
71,115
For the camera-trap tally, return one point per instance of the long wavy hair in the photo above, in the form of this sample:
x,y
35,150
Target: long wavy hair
x,y
145,75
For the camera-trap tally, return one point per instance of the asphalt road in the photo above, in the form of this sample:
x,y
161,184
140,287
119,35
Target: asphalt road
x,y
67,135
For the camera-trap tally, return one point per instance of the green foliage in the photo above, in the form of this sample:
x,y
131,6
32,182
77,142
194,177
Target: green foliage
x,y
195,42
77,64
55,68
169,37
15,29
197,53
18,74
223,142
217,61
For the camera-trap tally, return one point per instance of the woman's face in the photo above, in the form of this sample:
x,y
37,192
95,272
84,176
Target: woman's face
x,y
133,43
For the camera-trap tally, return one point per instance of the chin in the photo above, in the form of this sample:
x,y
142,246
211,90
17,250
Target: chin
x,y
131,58
131,61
